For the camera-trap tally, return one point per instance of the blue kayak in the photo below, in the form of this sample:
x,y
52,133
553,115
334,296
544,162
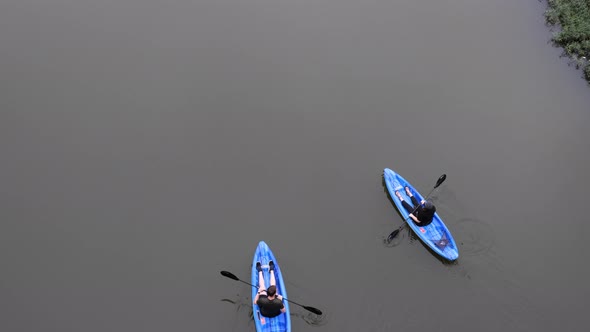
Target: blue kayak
x,y
282,322
435,235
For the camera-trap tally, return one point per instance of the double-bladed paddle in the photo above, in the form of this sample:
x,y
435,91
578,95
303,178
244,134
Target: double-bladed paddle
x,y
393,234
232,276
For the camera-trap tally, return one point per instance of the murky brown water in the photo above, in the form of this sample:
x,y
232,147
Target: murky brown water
x,y
147,145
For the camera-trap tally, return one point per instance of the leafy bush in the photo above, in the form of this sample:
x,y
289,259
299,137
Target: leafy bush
x,y
573,19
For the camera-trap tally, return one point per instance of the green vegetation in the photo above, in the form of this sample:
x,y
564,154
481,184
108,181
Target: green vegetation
x,y
573,18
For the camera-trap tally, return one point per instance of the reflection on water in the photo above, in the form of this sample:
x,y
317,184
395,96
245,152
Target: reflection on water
x,y
243,304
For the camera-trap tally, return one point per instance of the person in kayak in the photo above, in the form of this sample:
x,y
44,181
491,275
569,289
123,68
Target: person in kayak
x,y
423,214
269,302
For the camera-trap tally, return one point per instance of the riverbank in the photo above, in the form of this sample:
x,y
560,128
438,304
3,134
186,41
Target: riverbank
x,y
573,19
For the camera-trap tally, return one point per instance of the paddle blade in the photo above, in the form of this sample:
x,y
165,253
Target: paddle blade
x,y
392,235
229,275
312,309
440,180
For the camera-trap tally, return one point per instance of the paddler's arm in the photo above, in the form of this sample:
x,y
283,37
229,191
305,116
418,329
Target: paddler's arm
x,y
414,218
257,296
283,309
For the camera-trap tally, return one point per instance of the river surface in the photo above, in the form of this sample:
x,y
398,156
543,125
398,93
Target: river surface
x,y
146,146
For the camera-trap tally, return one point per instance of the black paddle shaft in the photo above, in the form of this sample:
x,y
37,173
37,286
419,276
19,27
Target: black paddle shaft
x,y
393,234
440,180
308,308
